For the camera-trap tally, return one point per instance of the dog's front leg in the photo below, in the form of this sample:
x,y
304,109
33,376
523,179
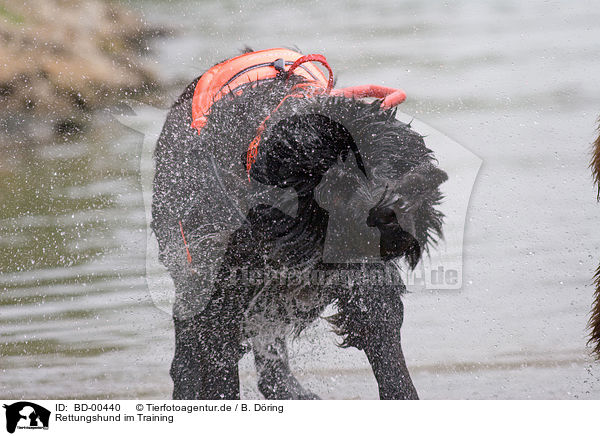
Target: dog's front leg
x,y
220,377
383,349
275,378
186,368
370,319
203,368
387,360
207,351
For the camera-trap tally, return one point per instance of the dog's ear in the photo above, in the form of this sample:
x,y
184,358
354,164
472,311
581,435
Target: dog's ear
x,y
300,149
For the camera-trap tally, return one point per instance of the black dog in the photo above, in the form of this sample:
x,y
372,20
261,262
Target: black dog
x,y
330,174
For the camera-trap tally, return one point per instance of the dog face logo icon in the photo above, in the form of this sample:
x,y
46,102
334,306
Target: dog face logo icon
x,y
26,415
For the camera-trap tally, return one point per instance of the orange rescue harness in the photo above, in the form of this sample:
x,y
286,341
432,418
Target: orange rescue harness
x,y
233,74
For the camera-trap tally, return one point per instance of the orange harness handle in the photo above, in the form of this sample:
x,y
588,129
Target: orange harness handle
x,y
391,96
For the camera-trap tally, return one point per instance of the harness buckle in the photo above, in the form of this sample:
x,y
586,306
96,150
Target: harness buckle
x,y
279,65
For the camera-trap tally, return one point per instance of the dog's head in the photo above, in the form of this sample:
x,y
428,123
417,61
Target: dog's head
x,y
371,172
395,203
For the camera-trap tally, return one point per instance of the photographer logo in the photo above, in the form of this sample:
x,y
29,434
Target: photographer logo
x,y
25,415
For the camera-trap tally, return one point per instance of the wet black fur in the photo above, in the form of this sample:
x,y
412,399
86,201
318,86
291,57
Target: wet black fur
x,y
594,323
305,139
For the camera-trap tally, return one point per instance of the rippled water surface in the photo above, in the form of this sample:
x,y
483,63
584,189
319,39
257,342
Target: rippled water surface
x,y
514,82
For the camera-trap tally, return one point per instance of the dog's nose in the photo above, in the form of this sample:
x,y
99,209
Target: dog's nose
x,y
380,216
